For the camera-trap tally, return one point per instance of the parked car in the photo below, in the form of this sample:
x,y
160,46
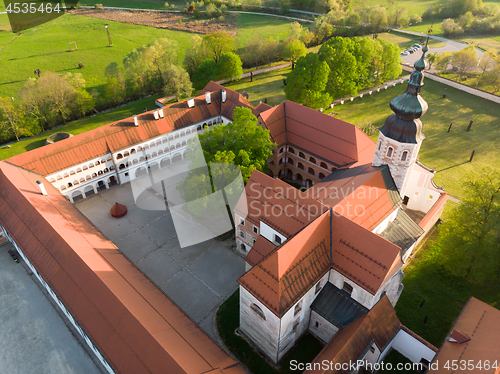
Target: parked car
x,y
417,45
405,53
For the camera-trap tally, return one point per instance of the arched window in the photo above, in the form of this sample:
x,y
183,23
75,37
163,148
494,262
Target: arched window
x,y
78,170
310,171
281,161
160,152
271,162
152,144
389,151
158,142
301,155
404,156
281,150
312,160
321,176
258,310
135,162
184,143
379,145
121,167
118,156
291,150
145,147
98,163
243,247
154,154
300,166
126,154
132,151
323,165
289,161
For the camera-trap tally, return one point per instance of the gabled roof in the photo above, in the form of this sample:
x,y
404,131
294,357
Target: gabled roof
x,y
278,204
325,136
132,323
286,274
481,323
122,134
337,306
261,248
349,344
365,194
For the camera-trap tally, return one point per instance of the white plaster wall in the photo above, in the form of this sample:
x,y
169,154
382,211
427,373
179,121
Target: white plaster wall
x,y
268,232
287,336
359,294
325,330
422,197
383,225
412,348
263,333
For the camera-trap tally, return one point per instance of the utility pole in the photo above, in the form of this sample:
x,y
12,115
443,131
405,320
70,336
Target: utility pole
x,y
109,37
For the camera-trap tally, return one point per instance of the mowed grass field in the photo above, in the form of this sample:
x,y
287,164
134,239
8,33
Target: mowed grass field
x,y
46,48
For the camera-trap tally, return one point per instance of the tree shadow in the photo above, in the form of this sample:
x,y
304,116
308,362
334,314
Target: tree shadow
x,y
454,166
35,144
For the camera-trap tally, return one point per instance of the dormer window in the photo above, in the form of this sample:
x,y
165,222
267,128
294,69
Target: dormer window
x,y
390,151
277,239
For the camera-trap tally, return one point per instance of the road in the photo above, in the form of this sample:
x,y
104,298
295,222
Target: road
x,y
451,46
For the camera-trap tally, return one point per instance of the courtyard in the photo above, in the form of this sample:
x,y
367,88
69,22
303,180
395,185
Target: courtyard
x,y
198,278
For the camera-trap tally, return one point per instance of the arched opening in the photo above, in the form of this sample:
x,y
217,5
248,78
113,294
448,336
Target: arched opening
x,y
321,176
89,191
121,167
160,152
271,162
289,161
126,154
101,186
258,311
141,159
312,160
154,166
165,162
281,150
154,154
76,196
281,161
112,181
94,175
301,155
288,174
178,145
135,162
300,166
390,151
323,165
132,151
243,247
404,156
70,185
158,142
291,150
177,158
310,171
299,178
140,172
309,183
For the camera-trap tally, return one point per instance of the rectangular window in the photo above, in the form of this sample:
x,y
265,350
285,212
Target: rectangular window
x,y
242,234
254,241
242,222
255,230
347,288
277,239
296,325
317,324
298,308
372,349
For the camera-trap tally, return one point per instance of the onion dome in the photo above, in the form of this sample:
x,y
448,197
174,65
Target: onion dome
x,y
404,125
118,210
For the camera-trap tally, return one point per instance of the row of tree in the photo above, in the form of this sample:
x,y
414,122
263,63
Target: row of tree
x,y
342,67
466,62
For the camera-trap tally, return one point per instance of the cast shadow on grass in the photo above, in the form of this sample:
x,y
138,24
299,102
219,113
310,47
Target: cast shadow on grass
x,y
454,166
36,144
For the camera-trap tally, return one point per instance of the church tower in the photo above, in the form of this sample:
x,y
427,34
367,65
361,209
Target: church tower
x,y
401,135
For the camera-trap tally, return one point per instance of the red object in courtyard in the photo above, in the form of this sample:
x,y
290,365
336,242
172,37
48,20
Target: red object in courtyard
x,y
118,210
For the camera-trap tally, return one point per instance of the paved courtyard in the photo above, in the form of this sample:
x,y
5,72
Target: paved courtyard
x,y
197,278
33,336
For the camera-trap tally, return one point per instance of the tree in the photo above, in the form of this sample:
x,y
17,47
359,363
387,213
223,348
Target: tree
x,y
432,58
229,66
389,65
218,43
297,29
415,18
378,17
487,61
442,62
306,83
492,79
177,82
399,16
451,28
470,238
205,73
465,20
12,119
464,61
294,50
196,54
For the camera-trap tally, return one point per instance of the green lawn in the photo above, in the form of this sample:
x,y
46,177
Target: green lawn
x,y
81,125
394,358
413,6
406,40
46,47
443,296
424,27
228,320
484,42
447,152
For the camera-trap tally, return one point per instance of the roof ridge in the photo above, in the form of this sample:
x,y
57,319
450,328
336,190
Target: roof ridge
x,y
324,132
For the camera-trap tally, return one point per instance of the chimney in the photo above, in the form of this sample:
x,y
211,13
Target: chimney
x,y
190,102
42,188
155,114
208,99
136,123
223,92
160,112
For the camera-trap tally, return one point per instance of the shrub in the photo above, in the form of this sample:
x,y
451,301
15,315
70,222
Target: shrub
x,y
98,6
166,5
196,13
191,8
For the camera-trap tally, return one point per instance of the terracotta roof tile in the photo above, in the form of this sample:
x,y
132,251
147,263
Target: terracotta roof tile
x,y
261,248
379,325
481,323
136,327
286,274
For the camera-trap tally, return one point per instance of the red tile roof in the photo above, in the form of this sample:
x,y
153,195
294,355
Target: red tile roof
x,y
261,248
135,326
349,344
327,137
285,275
481,323
123,134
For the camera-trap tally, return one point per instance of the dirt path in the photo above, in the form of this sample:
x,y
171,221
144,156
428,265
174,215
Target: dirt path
x,y
162,20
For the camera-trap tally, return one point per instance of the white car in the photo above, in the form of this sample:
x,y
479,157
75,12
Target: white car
x,y
405,53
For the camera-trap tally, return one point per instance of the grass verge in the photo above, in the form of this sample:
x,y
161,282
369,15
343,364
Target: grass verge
x,y
228,320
